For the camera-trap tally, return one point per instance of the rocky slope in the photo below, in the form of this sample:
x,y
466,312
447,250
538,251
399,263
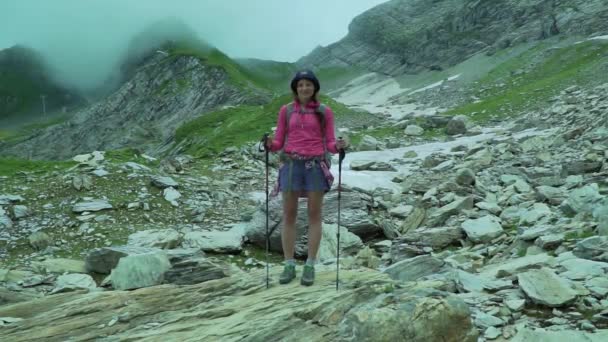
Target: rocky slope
x,y
144,112
452,228
508,221
404,36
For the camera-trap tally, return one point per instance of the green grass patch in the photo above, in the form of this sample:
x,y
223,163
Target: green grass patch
x,y
377,132
335,77
10,166
129,155
27,130
213,132
239,75
526,84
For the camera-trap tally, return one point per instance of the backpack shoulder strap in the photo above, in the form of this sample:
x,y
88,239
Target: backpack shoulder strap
x,y
288,111
321,111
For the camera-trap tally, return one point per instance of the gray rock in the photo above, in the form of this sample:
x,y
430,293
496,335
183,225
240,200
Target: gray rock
x,y
195,270
549,242
368,143
414,220
80,182
415,268
493,208
437,238
353,213
554,196
216,241
485,320
545,287
580,167
492,333
40,240
140,270
160,238
366,165
96,205
517,265
103,260
541,335
21,211
413,130
465,177
440,215
455,127
5,221
467,282
410,154
420,319
536,213
328,248
592,248
72,282
9,199
171,195
483,229
582,200
581,269
598,286
164,182
531,233
401,211
516,304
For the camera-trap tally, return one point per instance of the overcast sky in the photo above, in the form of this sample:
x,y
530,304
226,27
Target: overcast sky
x,y
83,38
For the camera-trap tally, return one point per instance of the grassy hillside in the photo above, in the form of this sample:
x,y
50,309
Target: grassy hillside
x,y
213,132
529,80
23,80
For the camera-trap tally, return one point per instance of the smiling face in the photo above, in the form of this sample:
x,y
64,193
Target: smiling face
x,y
305,89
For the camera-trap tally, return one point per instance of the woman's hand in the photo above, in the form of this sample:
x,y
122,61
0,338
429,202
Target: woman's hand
x,y
341,144
269,140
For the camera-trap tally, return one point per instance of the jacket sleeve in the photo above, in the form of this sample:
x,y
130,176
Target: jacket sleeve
x,y
279,138
330,135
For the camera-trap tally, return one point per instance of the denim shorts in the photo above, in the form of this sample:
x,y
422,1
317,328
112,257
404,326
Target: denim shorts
x,y
302,175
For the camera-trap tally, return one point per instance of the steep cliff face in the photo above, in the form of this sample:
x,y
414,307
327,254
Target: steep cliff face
x,y
410,36
163,93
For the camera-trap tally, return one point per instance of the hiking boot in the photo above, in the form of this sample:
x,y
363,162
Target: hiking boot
x,y
308,276
289,273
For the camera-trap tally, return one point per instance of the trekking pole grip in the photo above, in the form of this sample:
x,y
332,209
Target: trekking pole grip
x,y
262,146
342,152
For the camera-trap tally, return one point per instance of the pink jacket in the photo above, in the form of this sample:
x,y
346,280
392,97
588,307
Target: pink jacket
x,y
305,136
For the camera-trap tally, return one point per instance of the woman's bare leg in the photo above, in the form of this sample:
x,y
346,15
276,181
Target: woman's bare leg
x,y
290,212
315,204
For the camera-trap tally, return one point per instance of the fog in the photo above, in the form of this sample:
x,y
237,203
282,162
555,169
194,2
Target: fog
x,y
84,39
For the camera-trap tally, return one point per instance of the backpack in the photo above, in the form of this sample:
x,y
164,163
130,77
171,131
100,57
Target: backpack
x,y
319,111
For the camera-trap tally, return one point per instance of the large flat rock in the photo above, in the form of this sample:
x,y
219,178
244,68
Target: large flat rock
x,y
240,308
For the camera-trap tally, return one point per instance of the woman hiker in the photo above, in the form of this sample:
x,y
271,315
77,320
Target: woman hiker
x,y
304,141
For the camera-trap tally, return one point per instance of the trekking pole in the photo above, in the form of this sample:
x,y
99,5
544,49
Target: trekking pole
x,y
341,158
265,148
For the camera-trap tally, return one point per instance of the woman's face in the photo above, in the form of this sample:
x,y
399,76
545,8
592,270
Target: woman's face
x,y
305,89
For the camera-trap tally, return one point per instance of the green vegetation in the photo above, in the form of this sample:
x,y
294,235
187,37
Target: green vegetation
x,y
29,129
239,75
527,84
573,235
335,77
10,166
213,132
378,133
23,79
